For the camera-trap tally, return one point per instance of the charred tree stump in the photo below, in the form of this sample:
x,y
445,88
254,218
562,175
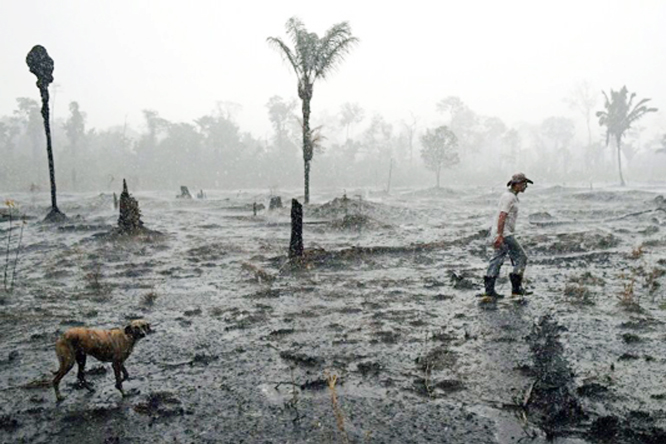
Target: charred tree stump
x,y
41,65
129,221
276,202
296,243
184,193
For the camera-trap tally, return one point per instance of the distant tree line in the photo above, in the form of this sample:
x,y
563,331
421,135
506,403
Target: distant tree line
x,y
353,150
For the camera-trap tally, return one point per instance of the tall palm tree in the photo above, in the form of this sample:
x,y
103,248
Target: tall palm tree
x,y
312,58
620,112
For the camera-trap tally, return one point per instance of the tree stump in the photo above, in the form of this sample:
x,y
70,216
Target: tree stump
x,y
129,221
184,193
276,202
296,242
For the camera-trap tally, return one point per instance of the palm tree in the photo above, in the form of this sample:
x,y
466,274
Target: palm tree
x,y
620,112
312,58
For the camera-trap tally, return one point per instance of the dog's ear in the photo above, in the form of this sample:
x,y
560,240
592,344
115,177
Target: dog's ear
x,y
129,330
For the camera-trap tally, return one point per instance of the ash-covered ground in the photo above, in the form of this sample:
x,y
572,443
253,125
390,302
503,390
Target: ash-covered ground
x,y
377,337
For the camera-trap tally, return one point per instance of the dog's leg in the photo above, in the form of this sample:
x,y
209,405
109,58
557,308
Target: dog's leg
x,y
117,369
81,361
124,370
65,355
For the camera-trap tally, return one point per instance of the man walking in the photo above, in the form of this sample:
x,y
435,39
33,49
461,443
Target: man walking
x,y
505,242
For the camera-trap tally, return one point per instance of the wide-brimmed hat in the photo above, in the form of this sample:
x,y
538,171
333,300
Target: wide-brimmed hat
x,y
518,178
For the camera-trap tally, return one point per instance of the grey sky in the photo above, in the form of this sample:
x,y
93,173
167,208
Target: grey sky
x,y
516,60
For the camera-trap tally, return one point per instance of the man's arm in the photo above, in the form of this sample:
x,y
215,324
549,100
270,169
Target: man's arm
x,y
500,229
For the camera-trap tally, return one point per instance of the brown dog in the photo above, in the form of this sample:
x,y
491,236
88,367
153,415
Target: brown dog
x,y
113,346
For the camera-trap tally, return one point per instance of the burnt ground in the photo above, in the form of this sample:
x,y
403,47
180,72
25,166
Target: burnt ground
x,y
376,337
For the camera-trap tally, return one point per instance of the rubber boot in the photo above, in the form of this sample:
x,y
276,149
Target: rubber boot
x,y
489,283
517,285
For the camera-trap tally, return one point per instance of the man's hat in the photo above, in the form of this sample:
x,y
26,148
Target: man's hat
x,y
518,178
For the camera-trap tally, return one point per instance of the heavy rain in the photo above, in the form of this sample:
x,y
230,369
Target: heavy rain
x,y
273,222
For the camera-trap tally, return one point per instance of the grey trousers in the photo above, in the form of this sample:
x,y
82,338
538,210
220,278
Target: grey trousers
x,y
515,252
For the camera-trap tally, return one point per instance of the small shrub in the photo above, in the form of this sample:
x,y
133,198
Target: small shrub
x,y
93,278
216,312
94,281
637,252
578,294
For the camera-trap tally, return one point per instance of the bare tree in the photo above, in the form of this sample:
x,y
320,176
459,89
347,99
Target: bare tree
x,y
439,149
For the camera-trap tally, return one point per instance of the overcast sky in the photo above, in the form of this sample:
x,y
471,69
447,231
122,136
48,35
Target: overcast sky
x,y
516,60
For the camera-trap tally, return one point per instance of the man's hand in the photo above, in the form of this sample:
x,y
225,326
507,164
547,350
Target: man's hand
x,y
498,242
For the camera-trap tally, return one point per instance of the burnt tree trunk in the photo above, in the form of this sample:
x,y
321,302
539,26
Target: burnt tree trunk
x,y
296,243
129,220
41,65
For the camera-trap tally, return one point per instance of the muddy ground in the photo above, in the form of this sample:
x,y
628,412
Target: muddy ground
x,y
376,338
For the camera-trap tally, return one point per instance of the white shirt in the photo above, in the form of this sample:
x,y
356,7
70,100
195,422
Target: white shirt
x,y
508,204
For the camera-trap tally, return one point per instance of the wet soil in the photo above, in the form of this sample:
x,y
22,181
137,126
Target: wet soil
x,y
375,336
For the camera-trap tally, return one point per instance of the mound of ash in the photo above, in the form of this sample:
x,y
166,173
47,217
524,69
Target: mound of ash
x,y
357,222
580,242
8,424
552,401
160,404
341,206
637,428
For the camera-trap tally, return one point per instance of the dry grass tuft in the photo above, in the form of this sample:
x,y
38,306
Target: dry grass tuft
x,y
628,299
332,379
578,294
149,298
93,279
637,252
427,367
